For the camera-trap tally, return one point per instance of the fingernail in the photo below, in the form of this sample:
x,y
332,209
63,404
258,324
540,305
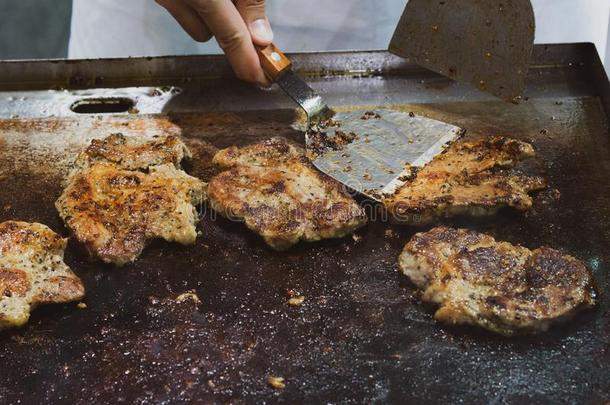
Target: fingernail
x,y
261,30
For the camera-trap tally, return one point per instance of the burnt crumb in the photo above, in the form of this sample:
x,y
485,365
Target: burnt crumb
x,y
296,301
320,141
276,382
389,233
276,188
342,138
547,198
395,356
410,174
373,194
329,123
495,301
124,181
190,295
444,199
553,194
370,115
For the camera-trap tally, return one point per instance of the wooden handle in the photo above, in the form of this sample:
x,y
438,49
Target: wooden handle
x,y
273,61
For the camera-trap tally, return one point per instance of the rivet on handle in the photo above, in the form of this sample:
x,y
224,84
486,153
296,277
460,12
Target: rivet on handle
x,y
273,61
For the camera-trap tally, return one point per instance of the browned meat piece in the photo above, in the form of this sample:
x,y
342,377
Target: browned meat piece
x,y
469,178
32,271
123,193
274,188
136,153
501,287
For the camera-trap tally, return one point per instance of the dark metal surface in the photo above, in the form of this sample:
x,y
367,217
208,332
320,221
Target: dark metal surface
x,y
361,334
484,42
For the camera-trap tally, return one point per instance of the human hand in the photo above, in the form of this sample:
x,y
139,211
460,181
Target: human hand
x,y
238,26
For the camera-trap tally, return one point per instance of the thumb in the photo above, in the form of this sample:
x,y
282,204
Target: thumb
x,y
253,13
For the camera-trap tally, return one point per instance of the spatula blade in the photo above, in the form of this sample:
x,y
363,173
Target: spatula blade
x,y
486,43
380,148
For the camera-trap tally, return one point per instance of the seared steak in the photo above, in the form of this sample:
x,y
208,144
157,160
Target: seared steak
x,y
124,192
278,193
32,271
496,285
470,177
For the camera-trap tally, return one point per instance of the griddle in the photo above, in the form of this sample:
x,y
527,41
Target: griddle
x,y
362,335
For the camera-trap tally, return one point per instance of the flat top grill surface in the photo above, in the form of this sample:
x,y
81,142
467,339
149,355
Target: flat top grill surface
x,y
361,334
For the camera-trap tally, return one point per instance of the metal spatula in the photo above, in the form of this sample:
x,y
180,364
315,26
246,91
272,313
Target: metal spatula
x,y
487,43
371,152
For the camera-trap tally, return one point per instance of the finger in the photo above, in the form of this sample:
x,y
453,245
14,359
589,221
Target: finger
x,y
253,13
227,25
188,19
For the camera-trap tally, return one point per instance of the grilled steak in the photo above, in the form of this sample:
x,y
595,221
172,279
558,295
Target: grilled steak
x,y
496,285
274,188
32,271
124,192
135,153
471,177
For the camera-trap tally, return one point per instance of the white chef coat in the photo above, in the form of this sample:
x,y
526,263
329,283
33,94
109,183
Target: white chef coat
x,y
121,28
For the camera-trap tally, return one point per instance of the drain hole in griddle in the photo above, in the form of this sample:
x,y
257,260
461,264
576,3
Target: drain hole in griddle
x,y
105,105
